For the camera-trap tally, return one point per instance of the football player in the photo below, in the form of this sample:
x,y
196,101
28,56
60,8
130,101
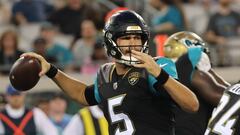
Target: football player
x,y
136,92
187,49
225,118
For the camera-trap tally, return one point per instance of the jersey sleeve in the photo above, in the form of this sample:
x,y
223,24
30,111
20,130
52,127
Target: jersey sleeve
x,y
168,66
92,94
187,64
96,91
194,55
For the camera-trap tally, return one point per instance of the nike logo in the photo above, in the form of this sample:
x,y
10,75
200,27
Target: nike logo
x,y
163,65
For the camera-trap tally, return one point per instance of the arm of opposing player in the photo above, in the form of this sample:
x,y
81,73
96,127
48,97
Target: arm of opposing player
x,y
207,87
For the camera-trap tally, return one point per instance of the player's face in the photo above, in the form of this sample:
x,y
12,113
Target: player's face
x,y
129,42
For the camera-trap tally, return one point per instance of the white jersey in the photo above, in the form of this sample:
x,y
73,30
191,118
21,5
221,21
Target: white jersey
x,y
225,118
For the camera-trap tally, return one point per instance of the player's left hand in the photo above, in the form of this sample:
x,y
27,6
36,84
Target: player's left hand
x,y
147,62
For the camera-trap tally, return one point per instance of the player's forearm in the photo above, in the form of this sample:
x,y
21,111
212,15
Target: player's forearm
x,y
72,87
184,97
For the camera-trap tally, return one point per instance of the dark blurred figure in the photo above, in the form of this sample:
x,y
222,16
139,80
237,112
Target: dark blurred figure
x,y
3,101
40,47
30,11
170,17
9,51
57,112
69,17
222,26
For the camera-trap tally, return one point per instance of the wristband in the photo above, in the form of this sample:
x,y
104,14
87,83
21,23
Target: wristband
x,y
51,73
162,77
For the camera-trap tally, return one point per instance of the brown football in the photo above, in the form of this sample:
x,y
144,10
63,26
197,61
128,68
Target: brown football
x,y
24,73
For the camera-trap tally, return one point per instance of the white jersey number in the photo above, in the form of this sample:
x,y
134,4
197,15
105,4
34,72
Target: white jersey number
x,y
224,124
118,117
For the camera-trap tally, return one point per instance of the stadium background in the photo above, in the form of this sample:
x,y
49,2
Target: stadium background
x,y
196,12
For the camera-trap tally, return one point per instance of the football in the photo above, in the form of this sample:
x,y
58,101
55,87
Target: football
x,y
24,73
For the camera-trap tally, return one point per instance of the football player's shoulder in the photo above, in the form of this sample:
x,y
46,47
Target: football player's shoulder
x,y
104,72
195,52
168,65
106,67
161,59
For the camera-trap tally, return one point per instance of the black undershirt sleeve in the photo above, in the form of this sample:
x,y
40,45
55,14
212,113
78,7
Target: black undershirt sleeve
x,y
90,96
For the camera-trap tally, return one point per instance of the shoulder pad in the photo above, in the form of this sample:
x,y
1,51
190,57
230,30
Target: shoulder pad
x,y
105,72
168,65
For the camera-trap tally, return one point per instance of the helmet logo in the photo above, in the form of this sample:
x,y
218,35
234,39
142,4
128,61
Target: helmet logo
x,y
113,52
133,28
188,42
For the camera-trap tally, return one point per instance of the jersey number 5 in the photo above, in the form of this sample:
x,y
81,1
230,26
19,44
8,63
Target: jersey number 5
x,y
120,117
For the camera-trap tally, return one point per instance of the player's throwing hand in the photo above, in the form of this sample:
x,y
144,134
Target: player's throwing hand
x,y
45,65
147,62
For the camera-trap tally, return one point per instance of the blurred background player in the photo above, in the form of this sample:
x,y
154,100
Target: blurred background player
x,y
225,118
89,121
193,67
16,119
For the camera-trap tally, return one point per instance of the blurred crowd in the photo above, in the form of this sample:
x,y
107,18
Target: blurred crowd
x,y
69,32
